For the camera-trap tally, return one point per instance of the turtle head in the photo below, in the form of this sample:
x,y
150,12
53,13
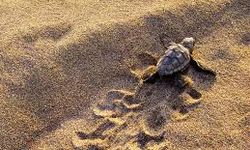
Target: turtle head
x,y
188,43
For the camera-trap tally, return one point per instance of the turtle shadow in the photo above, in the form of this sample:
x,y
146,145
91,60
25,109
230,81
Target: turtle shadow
x,y
245,39
202,80
165,92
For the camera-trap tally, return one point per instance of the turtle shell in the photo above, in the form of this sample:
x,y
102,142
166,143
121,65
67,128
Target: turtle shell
x,y
176,58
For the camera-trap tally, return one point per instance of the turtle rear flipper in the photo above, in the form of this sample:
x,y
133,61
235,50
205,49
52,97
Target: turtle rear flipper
x,y
148,75
200,67
182,81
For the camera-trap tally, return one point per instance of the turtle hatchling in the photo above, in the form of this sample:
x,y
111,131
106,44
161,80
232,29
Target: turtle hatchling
x,y
175,61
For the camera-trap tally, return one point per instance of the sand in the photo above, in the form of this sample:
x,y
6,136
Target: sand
x,y
60,59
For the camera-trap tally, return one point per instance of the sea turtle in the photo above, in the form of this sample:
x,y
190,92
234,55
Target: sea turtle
x,y
174,62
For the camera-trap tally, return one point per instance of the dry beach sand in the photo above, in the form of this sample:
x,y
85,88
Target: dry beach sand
x,y
60,58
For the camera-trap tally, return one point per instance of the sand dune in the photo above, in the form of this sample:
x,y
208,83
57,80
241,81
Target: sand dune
x,y
59,59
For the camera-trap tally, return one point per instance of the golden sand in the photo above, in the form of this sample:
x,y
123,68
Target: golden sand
x,y
59,58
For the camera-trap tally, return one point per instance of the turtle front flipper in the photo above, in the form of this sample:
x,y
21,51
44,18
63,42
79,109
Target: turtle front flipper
x,y
200,67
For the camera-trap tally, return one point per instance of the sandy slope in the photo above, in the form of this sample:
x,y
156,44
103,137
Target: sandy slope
x,y
58,58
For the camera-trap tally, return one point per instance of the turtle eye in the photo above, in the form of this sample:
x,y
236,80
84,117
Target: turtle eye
x,y
188,45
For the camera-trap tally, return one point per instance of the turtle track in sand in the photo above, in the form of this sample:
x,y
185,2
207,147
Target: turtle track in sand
x,y
149,108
